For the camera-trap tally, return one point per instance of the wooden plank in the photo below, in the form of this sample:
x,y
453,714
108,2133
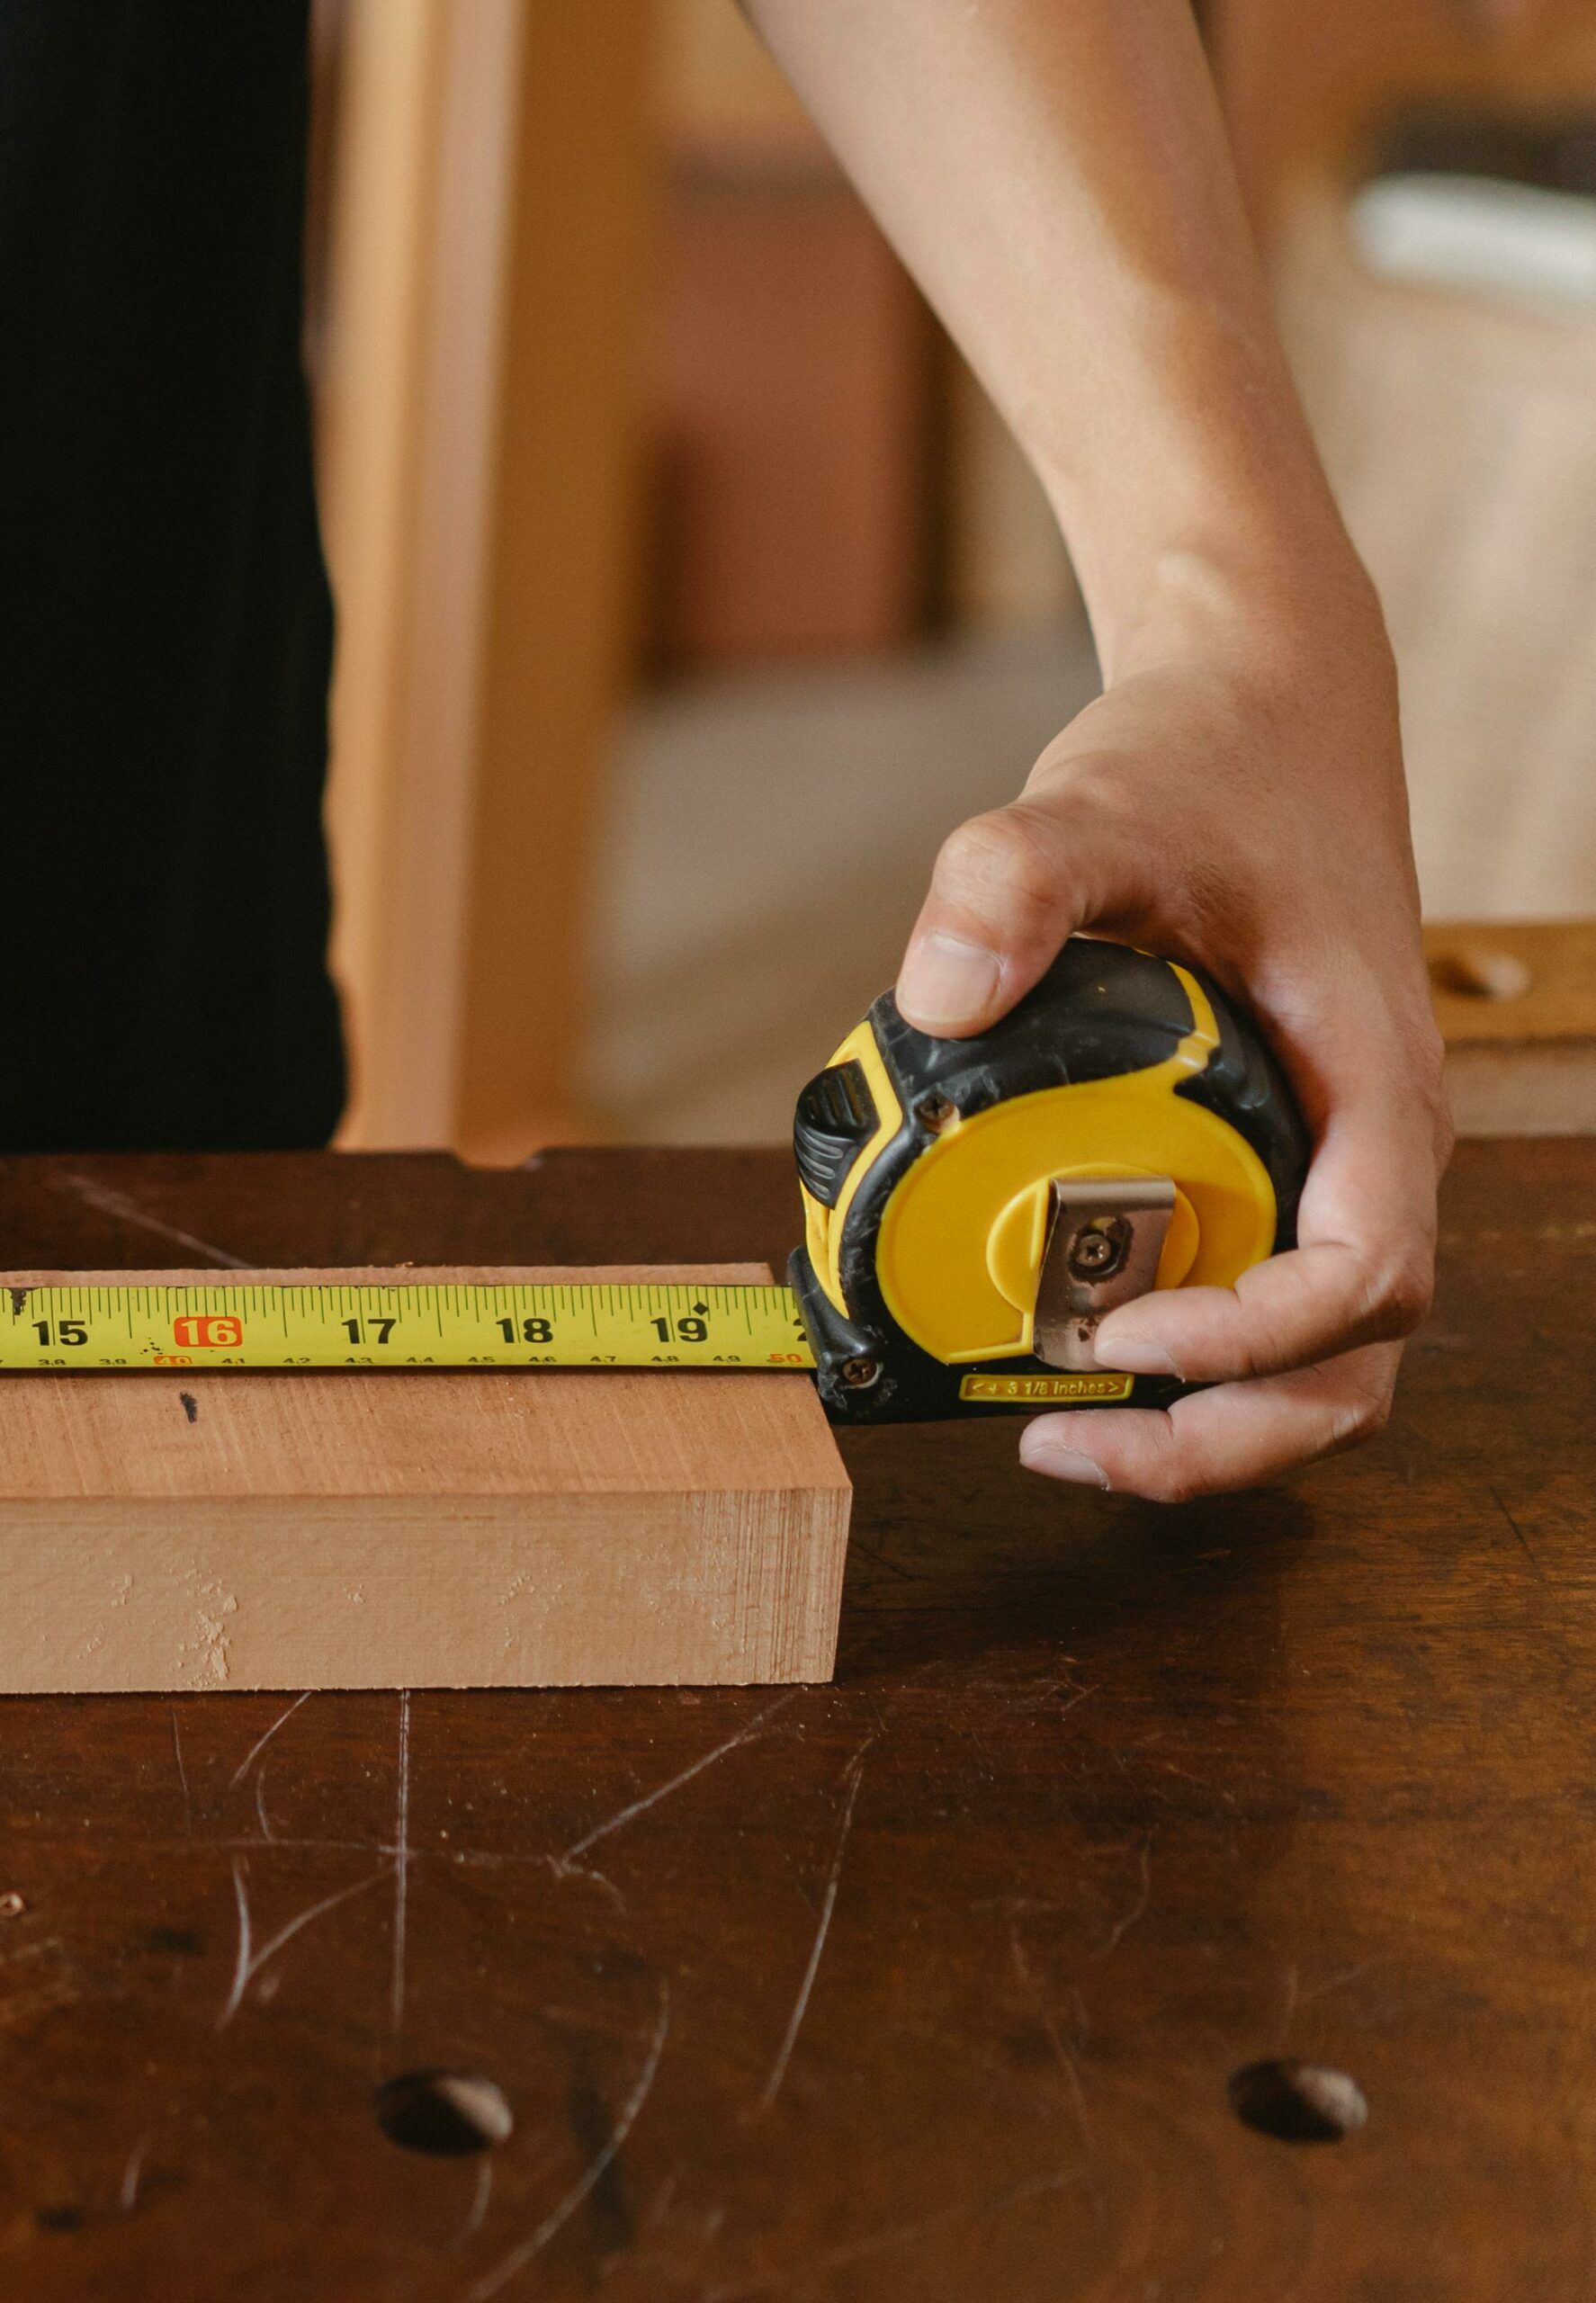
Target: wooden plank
x,y
503,1528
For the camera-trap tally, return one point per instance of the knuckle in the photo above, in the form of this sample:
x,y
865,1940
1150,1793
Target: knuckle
x,y
1363,1416
1175,1492
1254,1339
1003,855
1263,1351
1401,1295
1394,1297
1169,1480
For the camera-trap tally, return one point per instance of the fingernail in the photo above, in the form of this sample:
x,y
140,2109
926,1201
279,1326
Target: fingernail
x,y
1138,1355
946,980
1054,1461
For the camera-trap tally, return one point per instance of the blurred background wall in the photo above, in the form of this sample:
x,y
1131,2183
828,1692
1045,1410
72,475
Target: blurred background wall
x,y
690,591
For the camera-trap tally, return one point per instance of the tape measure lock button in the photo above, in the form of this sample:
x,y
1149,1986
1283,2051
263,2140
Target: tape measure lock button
x,y
835,1117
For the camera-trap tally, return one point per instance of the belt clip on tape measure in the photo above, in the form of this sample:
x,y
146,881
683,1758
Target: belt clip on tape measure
x,y
974,1207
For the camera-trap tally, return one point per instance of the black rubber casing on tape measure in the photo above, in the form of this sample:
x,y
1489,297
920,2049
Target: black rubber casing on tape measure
x,y
1101,1011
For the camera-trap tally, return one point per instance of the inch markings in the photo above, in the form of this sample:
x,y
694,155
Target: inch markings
x,y
65,1329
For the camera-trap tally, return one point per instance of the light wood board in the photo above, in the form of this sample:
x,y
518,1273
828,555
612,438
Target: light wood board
x,y
545,1527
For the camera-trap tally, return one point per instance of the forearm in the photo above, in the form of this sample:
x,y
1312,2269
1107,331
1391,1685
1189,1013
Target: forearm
x,y
1054,174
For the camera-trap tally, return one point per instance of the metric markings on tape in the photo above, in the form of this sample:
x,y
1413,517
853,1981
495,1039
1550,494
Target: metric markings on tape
x,y
326,1325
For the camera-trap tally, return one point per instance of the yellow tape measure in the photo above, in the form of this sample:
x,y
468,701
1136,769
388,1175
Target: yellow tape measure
x,y
427,1325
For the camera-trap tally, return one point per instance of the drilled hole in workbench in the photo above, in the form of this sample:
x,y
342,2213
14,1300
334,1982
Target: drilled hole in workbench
x,y
1298,2102
451,2113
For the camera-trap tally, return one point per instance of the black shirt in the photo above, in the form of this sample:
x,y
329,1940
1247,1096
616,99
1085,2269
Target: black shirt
x,y
164,623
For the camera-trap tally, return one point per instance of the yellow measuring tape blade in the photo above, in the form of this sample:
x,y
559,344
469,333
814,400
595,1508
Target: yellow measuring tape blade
x,y
69,1329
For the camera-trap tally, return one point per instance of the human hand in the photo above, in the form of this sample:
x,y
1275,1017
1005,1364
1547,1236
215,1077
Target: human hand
x,y
1240,805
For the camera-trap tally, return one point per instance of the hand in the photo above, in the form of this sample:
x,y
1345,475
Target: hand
x,y
1242,806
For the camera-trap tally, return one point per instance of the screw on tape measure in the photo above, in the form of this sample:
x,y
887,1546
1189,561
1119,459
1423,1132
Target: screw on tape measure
x,y
250,1324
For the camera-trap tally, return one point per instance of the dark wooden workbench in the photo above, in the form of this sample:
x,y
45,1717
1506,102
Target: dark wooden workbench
x,y
926,1985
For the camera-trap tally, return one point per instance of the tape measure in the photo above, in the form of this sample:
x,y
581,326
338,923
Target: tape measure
x,y
256,1325
972,1208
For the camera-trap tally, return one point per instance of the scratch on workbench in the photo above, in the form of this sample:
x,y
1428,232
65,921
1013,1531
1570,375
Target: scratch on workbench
x,y
659,2205
39,1951
1122,1927
899,2234
260,1804
260,1743
1296,1997
1063,2055
401,1862
560,1865
558,2215
804,2279
1214,1790
778,2069
477,2209
128,1211
188,1812
880,1559
242,1970
1537,1570
249,1961
1522,1540
1289,2011
652,1799
127,2198
485,1859
1558,1231
1342,1976
53,1984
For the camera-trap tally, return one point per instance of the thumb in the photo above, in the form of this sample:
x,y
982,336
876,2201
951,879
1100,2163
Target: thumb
x,y
1008,890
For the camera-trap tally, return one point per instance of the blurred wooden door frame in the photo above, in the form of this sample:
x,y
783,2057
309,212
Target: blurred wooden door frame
x,y
478,485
